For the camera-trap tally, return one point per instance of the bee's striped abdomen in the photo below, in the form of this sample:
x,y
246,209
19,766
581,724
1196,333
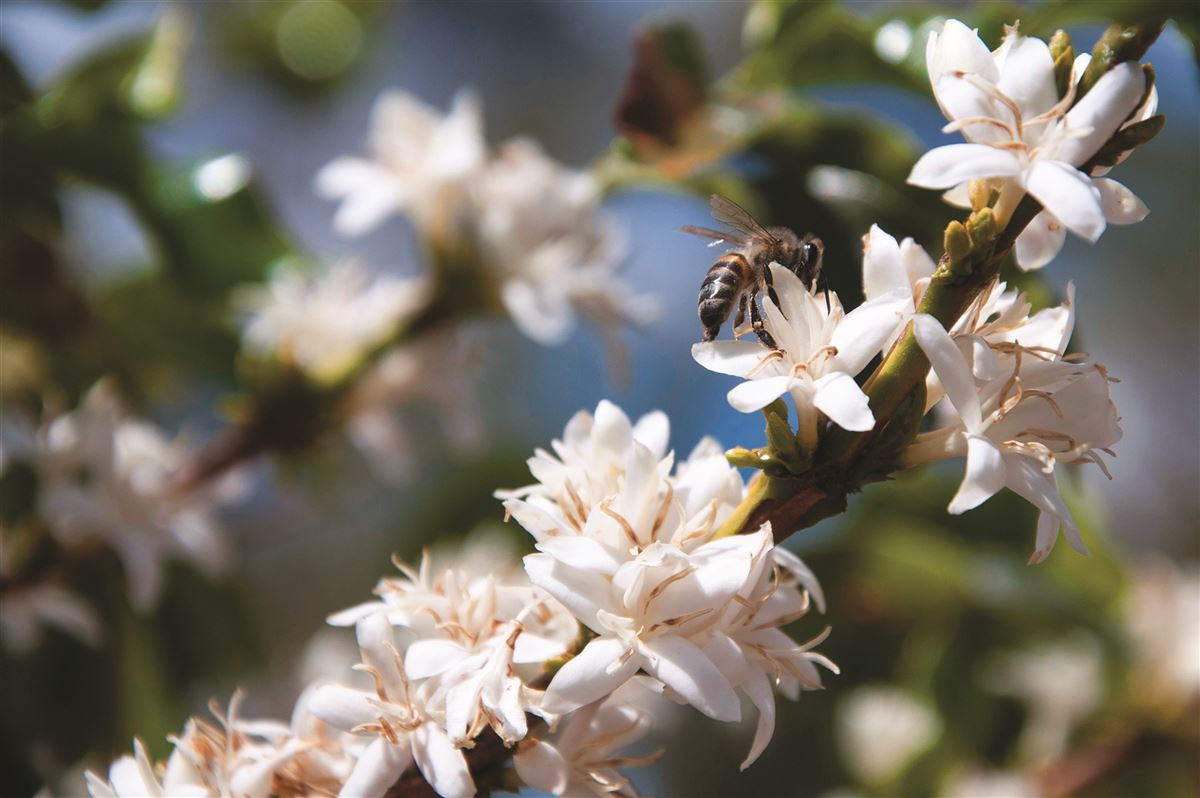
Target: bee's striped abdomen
x,y
719,292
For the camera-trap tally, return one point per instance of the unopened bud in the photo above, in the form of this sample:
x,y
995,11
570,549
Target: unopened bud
x,y
980,192
956,241
1059,43
1063,55
781,440
981,227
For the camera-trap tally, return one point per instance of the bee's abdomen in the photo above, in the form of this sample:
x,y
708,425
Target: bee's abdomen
x,y
727,278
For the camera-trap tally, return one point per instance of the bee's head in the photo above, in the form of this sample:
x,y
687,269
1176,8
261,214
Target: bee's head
x,y
808,264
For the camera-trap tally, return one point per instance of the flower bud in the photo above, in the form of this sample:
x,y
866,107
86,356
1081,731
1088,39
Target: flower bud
x,y
981,227
1064,59
781,440
981,194
956,241
1118,44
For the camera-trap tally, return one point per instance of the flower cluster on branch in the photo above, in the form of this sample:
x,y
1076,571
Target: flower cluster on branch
x,y
628,597
639,589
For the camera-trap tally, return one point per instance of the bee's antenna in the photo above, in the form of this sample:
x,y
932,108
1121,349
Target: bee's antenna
x,y
825,280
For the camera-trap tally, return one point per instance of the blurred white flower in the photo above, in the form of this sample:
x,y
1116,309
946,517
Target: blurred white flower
x,y
1162,617
421,164
1014,428
532,226
582,758
400,381
820,351
1059,683
542,236
325,323
992,784
393,716
881,729
24,610
105,477
1025,137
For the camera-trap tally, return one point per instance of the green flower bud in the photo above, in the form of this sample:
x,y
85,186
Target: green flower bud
x,y
956,241
981,227
1064,59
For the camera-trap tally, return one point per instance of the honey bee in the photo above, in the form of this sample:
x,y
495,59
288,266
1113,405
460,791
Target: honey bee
x,y
741,274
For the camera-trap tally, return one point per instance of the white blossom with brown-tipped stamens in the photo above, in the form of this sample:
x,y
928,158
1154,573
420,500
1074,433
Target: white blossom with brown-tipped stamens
x,y
583,756
1014,428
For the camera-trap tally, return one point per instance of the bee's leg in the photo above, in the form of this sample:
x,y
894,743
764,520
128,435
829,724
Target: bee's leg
x,y
757,323
770,286
740,318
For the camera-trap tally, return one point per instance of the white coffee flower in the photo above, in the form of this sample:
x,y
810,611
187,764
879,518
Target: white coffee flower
x,y
998,325
820,351
590,457
325,323
395,719
543,238
644,612
1042,239
583,758
421,164
881,729
1023,135
753,653
103,476
135,776
474,640
250,759
1014,429
891,268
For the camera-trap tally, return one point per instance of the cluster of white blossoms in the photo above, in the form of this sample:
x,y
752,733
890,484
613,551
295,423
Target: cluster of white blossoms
x,y
534,226
104,480
628,598
1024,137
522,231
628,546
487,677
1005,393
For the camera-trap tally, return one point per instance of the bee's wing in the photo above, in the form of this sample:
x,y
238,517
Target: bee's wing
x,y
728,212
718,236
